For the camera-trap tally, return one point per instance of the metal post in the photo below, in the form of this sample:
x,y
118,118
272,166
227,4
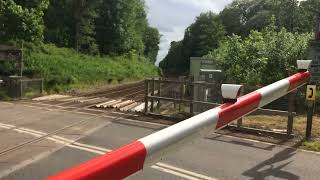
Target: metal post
x,y
21,89
191,98
152,94
291,108
146,83
41,87
309,120
159,94
240,121
181,95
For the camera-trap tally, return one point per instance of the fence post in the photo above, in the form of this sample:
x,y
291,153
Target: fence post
x,y
41,87
181,95
159,94
20,89
291,108
146,91
191,97
152,94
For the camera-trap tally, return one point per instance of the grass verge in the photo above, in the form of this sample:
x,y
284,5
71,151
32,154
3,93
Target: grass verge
x,y
64,69
280,123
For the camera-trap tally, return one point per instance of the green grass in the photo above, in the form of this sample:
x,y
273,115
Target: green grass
x,y
280,122
64,69
3,95
311,146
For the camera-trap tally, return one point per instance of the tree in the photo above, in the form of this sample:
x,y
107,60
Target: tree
x,y
120,26
307,13
151,41
22,20
234,16
58,20
84,15
263,57
242,16
200,37
71,23
170,64
205,34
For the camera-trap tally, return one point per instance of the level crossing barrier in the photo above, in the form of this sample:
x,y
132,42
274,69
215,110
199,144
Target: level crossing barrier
x,y
131,158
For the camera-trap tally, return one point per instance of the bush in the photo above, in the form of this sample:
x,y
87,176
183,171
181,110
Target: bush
x,y
262,57
63,68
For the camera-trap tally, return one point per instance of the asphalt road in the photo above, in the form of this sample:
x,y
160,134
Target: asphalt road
x,y
37,142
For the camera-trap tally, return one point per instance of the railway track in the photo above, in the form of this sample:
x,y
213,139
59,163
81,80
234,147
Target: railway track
x,y
127,98
130,97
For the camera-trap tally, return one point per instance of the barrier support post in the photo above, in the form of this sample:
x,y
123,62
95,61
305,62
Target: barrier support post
x,y
152,94
146,99
240,121
291,108
309,120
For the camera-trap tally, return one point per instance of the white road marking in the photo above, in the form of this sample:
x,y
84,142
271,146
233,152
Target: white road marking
x,y
164,165
174,172
99,150
7,125
27,132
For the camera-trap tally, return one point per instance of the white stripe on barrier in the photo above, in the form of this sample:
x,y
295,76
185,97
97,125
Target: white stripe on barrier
x,y
164,139
273,91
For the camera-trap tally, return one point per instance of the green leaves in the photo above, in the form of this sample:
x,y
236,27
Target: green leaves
x,y
112,27
63,68
262,57
151,40
241,16
200,37
120,26
22,20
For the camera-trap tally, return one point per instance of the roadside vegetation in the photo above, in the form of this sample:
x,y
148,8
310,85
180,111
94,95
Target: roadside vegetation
x,y
64,68
80,44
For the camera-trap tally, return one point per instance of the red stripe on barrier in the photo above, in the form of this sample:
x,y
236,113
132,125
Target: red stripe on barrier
x,y
244,105
115,165
298,79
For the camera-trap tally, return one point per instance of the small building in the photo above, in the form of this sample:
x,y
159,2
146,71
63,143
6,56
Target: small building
x,y
208,77
205,69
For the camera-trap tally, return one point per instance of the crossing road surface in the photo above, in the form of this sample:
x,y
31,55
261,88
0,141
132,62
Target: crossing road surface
x,y
37,141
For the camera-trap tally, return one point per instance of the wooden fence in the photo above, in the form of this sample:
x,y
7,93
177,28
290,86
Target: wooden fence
x,y
158,90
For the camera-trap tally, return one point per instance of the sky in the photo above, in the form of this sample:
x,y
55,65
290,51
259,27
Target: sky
x,y
172,17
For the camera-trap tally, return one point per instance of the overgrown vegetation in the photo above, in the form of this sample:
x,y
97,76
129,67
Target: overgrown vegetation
x,y
80,42
256,41
200,37
262,57
63,68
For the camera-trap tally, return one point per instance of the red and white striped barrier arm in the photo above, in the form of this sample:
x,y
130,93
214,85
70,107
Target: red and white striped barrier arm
x,y
131,158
